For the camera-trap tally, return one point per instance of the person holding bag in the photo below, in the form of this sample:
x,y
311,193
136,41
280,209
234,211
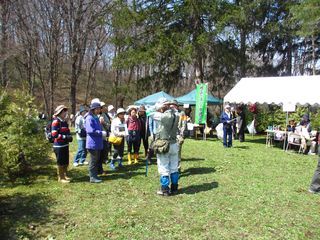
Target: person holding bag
x,y
167,155
61,134
94,142
118,130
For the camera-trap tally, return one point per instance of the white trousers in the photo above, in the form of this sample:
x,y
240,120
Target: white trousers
x,y
168,162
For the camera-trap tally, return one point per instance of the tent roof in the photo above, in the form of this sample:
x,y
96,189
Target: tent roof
x,y
190,98
153,98
298,90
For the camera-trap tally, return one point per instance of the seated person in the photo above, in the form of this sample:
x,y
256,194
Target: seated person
x,y
291,126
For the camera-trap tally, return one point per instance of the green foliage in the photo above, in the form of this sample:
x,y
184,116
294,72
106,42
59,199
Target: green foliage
x,y
22,142
272,115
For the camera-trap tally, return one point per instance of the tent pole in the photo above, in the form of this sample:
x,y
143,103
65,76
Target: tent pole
x,y
285,133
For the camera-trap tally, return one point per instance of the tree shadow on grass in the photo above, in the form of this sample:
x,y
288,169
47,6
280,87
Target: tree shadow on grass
x,y
125,172
260,140
241,147
192,159
20,215
194,171
199,188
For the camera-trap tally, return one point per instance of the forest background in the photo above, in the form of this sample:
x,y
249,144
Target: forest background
x,y
67,52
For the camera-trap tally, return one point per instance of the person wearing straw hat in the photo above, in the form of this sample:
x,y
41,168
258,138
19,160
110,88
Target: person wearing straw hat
x,y
94,142
118,129
61,133
81,134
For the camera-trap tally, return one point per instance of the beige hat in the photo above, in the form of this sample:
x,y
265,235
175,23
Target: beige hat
x,y
59,109
120,110
110,107
102,104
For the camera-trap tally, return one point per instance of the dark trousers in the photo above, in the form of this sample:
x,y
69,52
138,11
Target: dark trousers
x,y
315,182
241,135
227,137
118,150
94,162
62,155
104,152
134,141
145,143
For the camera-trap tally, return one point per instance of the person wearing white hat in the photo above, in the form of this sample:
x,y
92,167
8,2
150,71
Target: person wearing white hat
x,y
226,120
118,126
111,112
167,161
94,142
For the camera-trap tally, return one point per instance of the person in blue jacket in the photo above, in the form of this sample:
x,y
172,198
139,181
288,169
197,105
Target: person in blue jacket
x,y
227,120
94,142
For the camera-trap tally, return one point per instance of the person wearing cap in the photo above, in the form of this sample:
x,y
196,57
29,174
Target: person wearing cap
x,y
61,133
134,137
144,128
226,120
118,126
94,142
111,112
105,121
80,157
167,162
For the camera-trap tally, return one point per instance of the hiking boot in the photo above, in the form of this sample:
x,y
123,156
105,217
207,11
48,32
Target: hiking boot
x,y
174,188
164,192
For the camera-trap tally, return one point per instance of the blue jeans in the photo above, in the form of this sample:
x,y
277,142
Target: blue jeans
x,y
80,157
227,137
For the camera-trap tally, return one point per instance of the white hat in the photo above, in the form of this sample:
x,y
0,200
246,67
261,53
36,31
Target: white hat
x,y
161,102
186,105
95,100
110,107
227,106
102,104
120,110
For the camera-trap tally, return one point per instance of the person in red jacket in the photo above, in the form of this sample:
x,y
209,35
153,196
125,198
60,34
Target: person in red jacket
x,y
134,137
61,133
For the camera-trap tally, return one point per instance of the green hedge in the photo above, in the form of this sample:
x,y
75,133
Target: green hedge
x,y
272,115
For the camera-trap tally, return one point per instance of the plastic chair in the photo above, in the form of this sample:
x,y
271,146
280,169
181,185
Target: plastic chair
x,y
294,139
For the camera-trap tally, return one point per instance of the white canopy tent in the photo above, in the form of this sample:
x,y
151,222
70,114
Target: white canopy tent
x,y
286,91
297,90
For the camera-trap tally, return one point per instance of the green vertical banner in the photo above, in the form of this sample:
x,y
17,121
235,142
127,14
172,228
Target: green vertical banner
x,y
201,103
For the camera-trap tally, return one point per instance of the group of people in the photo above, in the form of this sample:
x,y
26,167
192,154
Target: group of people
x,y
96,126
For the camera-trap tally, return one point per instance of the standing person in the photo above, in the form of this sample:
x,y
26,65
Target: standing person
x,y
106,126
81,134
61,133
168,161
111,112
94,142
144,128
226,118
134,137
241,122
117,129
152,128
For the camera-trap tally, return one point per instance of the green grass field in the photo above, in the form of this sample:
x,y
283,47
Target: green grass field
x,y
246,192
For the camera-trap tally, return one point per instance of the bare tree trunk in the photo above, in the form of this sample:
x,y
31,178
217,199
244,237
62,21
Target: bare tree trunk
x,y
4,41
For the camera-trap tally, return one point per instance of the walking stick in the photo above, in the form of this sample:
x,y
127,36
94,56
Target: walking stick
x,y
146,167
